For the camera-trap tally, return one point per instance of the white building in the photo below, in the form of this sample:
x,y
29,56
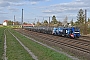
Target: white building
x,y
5,22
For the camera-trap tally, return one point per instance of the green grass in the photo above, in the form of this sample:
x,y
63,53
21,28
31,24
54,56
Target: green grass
x,y
14,50
1,42
43,53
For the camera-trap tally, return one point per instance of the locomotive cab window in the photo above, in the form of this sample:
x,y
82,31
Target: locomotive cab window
x,y
76,29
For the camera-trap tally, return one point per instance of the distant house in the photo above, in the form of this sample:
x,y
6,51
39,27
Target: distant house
x,y
5,22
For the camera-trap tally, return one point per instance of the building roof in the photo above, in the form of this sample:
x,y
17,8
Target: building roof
x,y
28,25
5,20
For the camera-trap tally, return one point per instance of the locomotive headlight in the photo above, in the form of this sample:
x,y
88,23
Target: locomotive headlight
x,y
72,35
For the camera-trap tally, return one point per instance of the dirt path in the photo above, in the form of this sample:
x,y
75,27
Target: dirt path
x,y
5,46
29,51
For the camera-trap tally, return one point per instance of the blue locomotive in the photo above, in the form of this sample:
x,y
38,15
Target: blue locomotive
x,y
70,32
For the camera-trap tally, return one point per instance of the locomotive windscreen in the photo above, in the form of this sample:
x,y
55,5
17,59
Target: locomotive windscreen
x,y
76,29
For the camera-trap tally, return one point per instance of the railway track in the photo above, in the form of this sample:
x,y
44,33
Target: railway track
x,y
85,38
78,47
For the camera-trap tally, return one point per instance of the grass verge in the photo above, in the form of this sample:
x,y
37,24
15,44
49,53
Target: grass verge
x,y
1,42
14,50
43,53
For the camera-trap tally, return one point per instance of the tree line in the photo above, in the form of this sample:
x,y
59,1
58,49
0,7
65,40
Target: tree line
x,y
80,22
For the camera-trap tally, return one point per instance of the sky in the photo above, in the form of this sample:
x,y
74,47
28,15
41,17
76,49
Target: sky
x,y
40,10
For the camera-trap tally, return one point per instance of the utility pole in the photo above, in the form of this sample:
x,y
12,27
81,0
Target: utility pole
x,y
49,21
43,18
35,20
14,20
85,21
22,18
72,22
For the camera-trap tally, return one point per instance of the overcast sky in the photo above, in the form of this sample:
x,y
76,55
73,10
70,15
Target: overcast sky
x,y
35,10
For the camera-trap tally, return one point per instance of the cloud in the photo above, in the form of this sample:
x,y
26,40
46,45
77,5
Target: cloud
x,y
33,3
3,13
70,7
18,1
66,9
12,0
47,11
4,4
38,0
1,9
18,4
13,9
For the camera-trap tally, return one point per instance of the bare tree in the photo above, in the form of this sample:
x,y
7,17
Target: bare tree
x,y
65,21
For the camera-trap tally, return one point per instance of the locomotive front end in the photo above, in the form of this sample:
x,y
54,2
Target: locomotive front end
x,y
75,32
